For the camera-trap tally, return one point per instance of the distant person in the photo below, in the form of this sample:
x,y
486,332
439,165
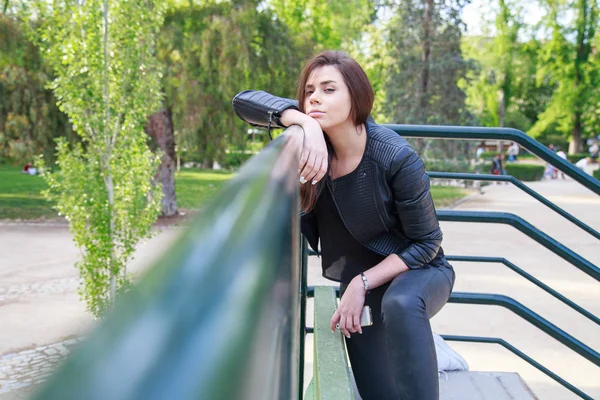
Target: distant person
x,y
594,151
29,170
562,155
498,165
513,152
480,150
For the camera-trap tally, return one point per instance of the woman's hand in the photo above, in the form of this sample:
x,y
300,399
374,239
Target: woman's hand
x,y
314,156
351,305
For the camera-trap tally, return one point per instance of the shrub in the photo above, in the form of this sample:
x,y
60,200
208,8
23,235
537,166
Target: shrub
x,y
234,160
596,174
523,172
488,155
448,165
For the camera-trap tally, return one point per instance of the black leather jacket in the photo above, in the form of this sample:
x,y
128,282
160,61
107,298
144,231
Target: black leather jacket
x,y
387,207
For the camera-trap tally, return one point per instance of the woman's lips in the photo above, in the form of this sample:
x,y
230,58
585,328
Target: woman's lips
x,y
316,113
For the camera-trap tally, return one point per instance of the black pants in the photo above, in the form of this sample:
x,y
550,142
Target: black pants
x,y
395,357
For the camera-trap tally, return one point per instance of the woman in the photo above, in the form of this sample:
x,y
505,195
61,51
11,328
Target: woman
x,y
365,195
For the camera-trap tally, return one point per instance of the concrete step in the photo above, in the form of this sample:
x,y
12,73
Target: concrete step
x,y
472,385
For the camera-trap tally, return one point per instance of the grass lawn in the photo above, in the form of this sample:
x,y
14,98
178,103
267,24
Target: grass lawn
x,y
444,196
20,196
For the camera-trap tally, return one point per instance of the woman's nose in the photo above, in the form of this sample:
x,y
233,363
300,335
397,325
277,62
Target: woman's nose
x,y
314,98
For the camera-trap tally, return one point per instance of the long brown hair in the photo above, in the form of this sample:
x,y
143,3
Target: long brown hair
x,y
361,104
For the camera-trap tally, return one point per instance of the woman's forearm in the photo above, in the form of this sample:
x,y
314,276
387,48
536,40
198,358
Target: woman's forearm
x,y
295,117
384,272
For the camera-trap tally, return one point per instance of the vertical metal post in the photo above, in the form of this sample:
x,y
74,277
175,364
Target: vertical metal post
x,y
303,268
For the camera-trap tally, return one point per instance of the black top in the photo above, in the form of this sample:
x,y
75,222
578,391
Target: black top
x,y
342,256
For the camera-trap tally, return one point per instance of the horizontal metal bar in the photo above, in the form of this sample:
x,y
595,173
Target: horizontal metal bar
x,y
519,353
530,278
520,185
479,133
528,229
309,330
530,316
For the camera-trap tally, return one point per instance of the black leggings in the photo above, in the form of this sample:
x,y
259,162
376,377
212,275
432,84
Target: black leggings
x,y
395,357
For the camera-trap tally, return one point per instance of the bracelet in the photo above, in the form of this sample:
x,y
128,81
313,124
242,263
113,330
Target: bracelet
x,y
365,283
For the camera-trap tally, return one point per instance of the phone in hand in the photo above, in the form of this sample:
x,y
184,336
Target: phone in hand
x,y
366,318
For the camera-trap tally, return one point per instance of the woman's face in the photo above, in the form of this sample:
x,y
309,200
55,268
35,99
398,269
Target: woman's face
x,y
327,98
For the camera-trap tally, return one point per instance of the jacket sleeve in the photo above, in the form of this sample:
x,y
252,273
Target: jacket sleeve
x,y
414,204
260,108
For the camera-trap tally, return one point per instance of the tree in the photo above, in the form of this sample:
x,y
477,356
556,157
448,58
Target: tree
x,y
29,117
107,82
428,64
211,52
569,62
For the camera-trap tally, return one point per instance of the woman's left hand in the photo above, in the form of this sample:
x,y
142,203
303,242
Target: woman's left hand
x,y
348,312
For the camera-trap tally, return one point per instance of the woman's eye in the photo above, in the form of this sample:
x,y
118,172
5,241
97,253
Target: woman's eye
x,y
329,90
308,92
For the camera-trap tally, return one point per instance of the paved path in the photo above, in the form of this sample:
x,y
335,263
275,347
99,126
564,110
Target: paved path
x,y
39,307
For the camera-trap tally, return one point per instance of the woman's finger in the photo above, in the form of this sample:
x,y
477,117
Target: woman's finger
x,y
335,319
303,159
306,173
322,171
357,327
350,324
343,326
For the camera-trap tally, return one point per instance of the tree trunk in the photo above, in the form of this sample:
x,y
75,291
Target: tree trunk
x,y
160,128
575,144
424,81
501,114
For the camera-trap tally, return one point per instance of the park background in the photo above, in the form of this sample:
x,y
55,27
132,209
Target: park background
x,y
533,66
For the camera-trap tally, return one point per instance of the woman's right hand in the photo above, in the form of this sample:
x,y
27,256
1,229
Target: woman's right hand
x,y
314,157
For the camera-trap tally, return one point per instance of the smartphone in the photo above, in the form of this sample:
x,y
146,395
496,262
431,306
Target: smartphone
x,y
366,318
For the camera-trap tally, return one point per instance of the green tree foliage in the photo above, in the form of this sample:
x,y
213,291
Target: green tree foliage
x,y
569,60
29,117
428,63
107,80
212,51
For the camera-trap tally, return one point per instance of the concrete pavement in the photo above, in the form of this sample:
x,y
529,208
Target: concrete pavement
x,y
39,305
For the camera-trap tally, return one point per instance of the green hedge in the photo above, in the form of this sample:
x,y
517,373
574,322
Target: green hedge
x,y
488,155
448,165
597,174
523,172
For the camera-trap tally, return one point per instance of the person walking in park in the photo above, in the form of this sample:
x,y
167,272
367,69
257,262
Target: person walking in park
x,y
365,196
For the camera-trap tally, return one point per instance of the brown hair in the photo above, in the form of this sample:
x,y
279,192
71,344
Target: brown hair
x,y
361,103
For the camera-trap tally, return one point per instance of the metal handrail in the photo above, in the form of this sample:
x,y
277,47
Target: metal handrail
x,y
530,278
528,229
523,356
480,133
520,185
531,317
207,322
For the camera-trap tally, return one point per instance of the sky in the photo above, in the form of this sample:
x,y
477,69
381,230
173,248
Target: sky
x,y
474,13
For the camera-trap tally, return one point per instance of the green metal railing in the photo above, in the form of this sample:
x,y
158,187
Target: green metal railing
x,y
478,133
520,354
514,135
520,224
530,278
523,187
219,316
